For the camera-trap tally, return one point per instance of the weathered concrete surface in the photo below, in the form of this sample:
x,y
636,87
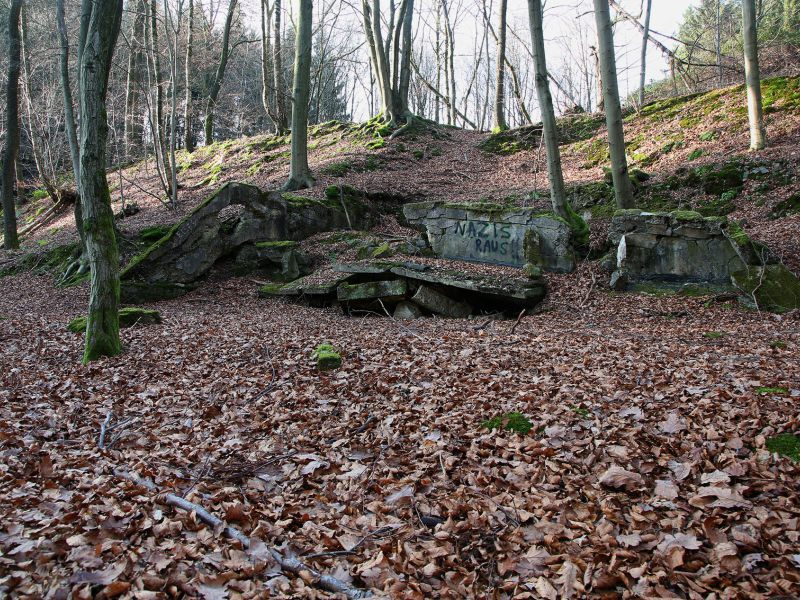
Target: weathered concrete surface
x,y
495,234
678,247
682,247
237,214
407,311
278,258
371,290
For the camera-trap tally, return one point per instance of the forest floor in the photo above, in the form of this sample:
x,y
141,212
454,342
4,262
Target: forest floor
x,y
645,472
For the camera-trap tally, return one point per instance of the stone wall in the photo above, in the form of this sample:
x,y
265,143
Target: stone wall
x,y
494,234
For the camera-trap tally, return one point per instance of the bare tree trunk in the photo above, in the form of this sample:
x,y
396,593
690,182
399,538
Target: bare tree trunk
x,y
159,141
282,121
98,40
69,113
405,60
300,175
267,64
500,123
718,44
188,125
643,57
66,88
600,105
219,76
755,110
558,193
438,60
133,118
11,150
450,62
623,189
173,24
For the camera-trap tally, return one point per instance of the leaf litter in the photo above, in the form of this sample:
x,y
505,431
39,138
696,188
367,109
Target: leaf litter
x,y
380,473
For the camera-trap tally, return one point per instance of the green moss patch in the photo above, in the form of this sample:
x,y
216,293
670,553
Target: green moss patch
x,y
327,357
774,287
785,444
784,208
771,391
128,317
278,245
150,235
513,421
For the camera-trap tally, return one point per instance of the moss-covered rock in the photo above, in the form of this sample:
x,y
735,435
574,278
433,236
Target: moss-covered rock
x,y
128,317
789,206
771,287
327,357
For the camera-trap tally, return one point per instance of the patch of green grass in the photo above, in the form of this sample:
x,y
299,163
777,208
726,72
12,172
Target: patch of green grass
x,y
708,136
513,421
580,411
695,154
771,391
778,345
714,335
785,444
337,169
39,194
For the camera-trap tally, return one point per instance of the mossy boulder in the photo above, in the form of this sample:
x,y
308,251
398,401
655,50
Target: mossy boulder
x,y
327,357
771,287
128,317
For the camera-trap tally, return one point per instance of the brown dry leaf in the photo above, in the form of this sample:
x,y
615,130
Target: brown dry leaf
x,y
673,424
616,477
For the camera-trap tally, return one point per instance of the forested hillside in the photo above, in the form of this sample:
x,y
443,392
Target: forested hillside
x,y
515,333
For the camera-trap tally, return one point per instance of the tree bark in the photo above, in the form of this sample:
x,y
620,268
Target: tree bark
x,y
558,193
188,125
133,119
755,109
300,174
219,76
159,141
623,189
282,120
500,123
97,41
450,61
11,150
643,57
69,114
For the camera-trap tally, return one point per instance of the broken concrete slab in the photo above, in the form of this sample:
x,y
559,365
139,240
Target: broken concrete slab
x,y
393,291
440,304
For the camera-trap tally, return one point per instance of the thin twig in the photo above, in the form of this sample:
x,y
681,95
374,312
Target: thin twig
x,y
519,319
287,563
103,428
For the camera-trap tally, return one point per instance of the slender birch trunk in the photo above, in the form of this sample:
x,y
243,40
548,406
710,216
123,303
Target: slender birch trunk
x,y
282,121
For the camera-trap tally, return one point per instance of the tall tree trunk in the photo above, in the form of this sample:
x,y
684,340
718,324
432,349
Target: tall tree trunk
x,y
281,112
558,193
159,140
172,27
450,62
405,60
219,76
98,41
438,60
643,57
188,125
623,189
500,123
718,44
11,150
300,174
69,113
755,110
133,117
267,64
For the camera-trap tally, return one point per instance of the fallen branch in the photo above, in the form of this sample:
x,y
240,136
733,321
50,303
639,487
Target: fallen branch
x,y
519,319
287,563
103,428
